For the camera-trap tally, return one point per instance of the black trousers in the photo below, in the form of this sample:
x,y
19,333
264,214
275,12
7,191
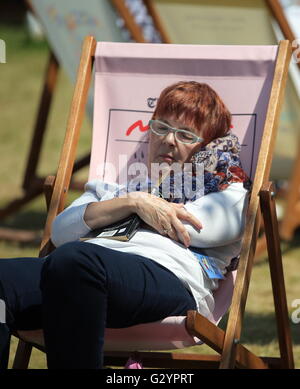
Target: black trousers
x,y
79,290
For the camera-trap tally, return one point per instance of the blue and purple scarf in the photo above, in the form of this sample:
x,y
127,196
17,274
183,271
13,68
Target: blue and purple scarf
x,y
222,166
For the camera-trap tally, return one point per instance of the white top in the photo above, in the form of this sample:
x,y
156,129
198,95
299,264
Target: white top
x,y
222,215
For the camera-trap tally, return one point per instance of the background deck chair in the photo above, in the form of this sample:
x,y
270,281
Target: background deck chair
x,y
129,78
65,24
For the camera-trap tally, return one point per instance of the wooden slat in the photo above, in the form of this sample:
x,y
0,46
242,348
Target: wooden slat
x,y
252,223
22,355
157,21
72,135
277,276
48,189
50,80
214,336
279,15
130,24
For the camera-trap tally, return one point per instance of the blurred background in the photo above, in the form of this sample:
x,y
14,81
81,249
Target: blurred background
x,y
27,40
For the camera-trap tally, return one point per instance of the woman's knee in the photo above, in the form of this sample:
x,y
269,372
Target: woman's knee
x,y
64,258
68,262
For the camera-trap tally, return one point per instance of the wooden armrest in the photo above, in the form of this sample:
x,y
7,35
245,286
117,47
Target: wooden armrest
x,y
48,189
199,326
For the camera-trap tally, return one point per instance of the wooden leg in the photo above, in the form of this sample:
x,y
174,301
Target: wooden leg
x,y
22,356
41,120
275,260
236,313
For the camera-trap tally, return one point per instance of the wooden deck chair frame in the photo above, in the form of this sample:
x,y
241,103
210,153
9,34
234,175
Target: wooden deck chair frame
x,y
291,217
226,343
273,5
33,184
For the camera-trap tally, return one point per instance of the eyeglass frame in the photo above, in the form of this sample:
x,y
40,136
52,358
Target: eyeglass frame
x,y
175,131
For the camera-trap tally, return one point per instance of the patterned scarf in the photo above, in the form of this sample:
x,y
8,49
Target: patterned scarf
x,y
222,166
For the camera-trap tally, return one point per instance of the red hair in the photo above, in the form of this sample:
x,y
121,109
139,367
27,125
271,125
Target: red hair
x,y
198,105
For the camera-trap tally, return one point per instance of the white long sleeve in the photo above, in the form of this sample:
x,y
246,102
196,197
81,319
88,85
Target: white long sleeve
x,y
222,215
69,225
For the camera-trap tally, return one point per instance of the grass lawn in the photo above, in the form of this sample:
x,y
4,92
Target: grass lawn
x,y
21,83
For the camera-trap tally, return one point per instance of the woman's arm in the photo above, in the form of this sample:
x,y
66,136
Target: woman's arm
x,y
70,225
165,217
88,212
222,215
102,213
214,220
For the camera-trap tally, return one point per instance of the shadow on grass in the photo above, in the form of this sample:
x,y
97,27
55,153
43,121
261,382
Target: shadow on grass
x,y
286,248
25,228
28,220
261,329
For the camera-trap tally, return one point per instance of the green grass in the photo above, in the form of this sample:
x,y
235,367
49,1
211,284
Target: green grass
x,y
21,82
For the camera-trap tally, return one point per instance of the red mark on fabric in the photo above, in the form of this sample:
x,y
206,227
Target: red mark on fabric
x,y
136,124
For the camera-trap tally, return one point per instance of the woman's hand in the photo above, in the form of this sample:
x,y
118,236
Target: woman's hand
x,y
164,217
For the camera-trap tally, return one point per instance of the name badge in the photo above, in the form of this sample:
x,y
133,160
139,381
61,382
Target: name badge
x,y
209,266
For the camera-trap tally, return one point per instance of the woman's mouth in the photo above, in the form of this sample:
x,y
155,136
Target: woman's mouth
x,y
167,158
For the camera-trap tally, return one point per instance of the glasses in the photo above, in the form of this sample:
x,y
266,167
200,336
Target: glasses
x,y
182,136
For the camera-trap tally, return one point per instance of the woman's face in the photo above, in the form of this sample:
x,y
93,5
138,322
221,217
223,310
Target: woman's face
x,y
166,148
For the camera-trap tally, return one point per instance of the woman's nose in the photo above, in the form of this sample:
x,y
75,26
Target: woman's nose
x,y
170,138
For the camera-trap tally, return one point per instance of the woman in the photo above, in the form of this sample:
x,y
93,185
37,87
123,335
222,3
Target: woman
x,y
83,287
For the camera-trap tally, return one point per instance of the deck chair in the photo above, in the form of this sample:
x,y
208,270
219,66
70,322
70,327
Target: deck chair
x,y
128,79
